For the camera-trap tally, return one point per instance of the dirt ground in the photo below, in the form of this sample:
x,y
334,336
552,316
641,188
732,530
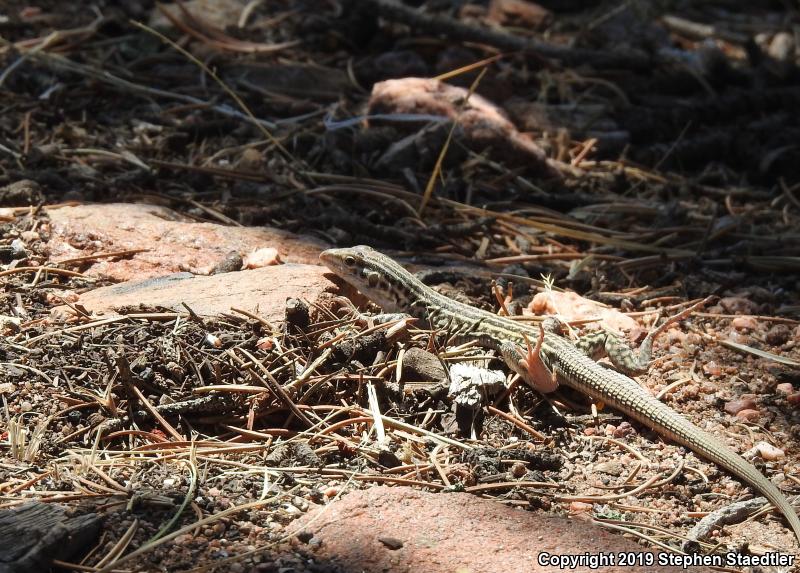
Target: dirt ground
x,y
643,156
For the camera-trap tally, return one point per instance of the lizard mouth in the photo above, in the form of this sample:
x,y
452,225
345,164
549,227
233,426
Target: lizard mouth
x,y
333,259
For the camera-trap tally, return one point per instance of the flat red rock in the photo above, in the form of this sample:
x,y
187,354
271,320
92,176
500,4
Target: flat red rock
x,y
449,532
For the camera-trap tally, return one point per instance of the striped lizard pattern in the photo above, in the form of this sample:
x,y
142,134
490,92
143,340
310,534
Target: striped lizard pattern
x,y
554,360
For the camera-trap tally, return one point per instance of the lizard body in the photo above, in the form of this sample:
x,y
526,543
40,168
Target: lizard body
x,y
388,284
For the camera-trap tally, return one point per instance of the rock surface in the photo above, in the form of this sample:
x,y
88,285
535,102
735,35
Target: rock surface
x,y
483,124
174,242
263,291
448,533
572,306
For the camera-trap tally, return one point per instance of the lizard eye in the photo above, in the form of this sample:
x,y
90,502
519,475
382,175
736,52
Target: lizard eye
x,y
350,261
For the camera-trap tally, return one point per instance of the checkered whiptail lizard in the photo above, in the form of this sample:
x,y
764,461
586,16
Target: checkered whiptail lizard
x,y
555,359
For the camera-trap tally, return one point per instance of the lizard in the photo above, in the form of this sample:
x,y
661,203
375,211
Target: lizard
x,y
553,360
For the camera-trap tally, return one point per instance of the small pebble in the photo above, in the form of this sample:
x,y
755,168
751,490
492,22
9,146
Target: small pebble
x,y
784,388
624,430
744,323
794,399
300,503
712,368
391,542
518,470
749,415
769,452
742,403
778,335
738,305
183,539
612,468
693,339
265,343
675,336
26,406
580,507
740,338
251,159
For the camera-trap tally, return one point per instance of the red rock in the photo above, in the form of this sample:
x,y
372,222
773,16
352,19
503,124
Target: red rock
x,y
173,242
576,507
737,305
263,291
624,430
60,297
443,533
794,399
520,13
778,335
784,388
748,415
712,368
744,402
744,323
482,124
708,388
518,470
572,306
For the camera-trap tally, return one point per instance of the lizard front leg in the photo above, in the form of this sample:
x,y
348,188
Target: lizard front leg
x,y
529,364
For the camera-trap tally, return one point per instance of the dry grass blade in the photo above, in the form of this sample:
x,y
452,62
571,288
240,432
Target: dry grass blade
x,y
440,159
190,493
375,410
119,547
760,353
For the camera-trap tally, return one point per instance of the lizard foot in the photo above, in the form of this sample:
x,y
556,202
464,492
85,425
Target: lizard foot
x,y
537,374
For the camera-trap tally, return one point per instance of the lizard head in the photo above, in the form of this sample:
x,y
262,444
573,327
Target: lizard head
x,y
377,276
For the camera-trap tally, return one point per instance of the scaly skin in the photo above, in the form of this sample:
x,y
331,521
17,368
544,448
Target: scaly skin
x,y
388,284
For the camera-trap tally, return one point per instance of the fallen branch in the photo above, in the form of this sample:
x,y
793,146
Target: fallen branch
x,y
455,30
